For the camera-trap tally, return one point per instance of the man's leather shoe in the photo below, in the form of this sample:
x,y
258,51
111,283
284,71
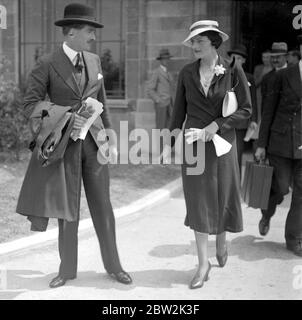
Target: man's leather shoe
x,y
264,226
59,281
122,277
295,247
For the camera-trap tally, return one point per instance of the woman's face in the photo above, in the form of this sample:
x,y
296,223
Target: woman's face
x,y
201,46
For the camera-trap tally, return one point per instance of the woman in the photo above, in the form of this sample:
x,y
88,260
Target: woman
x,y
212,198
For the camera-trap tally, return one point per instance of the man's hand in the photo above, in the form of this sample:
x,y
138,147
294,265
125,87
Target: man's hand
x,y
210,131
253,125
260,154
94,103
79,122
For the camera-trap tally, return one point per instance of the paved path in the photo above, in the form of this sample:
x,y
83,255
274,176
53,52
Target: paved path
x,y
159,252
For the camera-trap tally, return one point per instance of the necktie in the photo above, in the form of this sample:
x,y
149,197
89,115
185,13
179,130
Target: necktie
x,y
79,63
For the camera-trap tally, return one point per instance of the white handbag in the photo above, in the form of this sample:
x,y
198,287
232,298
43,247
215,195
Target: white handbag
x,y
230,104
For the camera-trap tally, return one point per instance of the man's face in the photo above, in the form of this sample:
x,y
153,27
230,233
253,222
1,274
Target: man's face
x,y
82,39
238,58
266,58
278,61
165,62
291,59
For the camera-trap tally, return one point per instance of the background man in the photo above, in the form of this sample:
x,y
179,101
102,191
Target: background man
x,y
280,139
239,53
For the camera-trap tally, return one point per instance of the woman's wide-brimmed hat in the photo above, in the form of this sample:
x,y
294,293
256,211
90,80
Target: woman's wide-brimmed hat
x,y
239,49
203,26
278,49
78,13
164,54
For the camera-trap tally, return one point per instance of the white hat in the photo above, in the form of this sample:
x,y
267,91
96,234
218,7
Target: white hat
x,y
203,26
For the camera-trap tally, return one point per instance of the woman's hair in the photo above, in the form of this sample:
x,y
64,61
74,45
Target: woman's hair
x,y
67,28
214,37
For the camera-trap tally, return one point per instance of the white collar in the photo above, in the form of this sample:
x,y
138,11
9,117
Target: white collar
x,y
163,67
71,54
283,67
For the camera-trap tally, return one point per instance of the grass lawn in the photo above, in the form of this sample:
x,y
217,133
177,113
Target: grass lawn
x,y
128,183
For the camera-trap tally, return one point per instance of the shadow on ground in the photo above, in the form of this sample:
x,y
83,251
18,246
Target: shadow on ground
x,y
247,248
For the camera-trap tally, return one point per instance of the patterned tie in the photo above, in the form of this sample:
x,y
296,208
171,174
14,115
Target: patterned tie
x,y
79,65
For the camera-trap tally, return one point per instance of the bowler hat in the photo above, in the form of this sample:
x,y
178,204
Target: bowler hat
x,y
278,48
78,13
164,54
239,49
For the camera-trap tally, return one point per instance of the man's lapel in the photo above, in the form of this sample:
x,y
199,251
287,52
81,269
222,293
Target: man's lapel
x,y
294,78
92,72
64,68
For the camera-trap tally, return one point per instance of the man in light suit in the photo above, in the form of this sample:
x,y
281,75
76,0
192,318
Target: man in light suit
x,y
160,90
280,139
69,76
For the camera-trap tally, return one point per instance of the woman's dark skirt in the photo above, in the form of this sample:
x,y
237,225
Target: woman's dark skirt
x,y
213,197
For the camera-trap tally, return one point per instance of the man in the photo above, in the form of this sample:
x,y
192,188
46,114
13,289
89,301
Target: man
x,y
278,60
280,139
293,57
69,76
160,90
239,53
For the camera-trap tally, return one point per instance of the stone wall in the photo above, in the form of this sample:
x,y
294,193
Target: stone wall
x,y
9,42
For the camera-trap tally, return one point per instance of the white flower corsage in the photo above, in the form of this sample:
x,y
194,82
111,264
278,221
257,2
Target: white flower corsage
x,y
219,69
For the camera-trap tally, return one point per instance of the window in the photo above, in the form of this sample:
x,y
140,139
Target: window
x,y
39,35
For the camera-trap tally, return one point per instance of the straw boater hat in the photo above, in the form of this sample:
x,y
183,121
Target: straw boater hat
x,y
78,13
278,49
203,26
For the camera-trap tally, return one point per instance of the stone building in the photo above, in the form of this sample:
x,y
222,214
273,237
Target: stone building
x,y
134,32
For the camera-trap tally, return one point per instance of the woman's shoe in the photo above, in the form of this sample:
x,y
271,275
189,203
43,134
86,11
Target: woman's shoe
x,y
222,259
197,281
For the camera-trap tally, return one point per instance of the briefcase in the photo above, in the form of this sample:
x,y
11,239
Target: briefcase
x,y
257,184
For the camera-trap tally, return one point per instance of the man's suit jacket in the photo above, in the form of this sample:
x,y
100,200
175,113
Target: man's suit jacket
x,y
281,126
54,191
160,88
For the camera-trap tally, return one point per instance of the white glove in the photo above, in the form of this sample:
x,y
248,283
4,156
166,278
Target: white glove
x,y
194,134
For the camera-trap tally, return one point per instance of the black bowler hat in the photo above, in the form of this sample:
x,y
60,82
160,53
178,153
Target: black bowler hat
x,y
239,49
78,13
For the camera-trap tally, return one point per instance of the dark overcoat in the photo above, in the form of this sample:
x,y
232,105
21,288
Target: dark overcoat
x,y
212,197
281,125
54,191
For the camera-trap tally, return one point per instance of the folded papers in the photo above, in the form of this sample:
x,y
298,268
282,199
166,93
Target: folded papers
x,y
90,110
